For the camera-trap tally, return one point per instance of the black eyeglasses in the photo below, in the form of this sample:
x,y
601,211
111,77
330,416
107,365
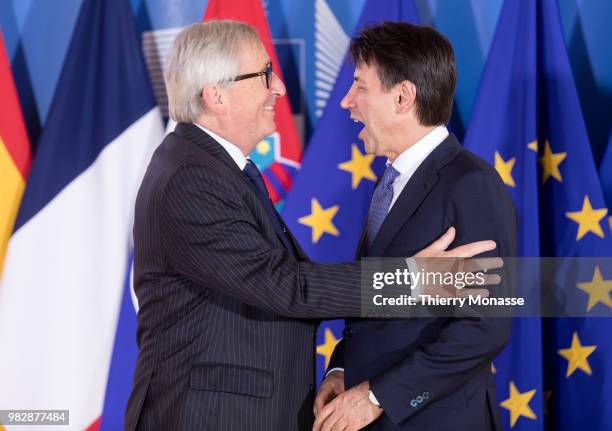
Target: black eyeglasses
x,y
267,72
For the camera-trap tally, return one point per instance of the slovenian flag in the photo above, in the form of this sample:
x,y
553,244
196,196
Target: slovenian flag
x,y
67,258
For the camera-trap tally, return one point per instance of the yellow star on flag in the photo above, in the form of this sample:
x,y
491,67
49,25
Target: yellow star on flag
x,y
320,220
550,163
588,219
598,290
263,147
327,348
504,169
533,146
576,356
518,404
360,166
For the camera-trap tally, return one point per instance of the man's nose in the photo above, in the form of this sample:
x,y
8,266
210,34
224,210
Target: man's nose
x,y
347,101
276,86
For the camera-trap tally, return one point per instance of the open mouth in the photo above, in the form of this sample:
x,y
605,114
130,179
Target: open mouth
x,y
363,133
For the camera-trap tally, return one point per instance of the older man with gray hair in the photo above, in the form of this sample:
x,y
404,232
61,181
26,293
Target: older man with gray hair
x,y
226,294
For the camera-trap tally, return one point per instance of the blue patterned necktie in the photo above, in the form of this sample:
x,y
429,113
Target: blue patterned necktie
x,y
381,202
254,175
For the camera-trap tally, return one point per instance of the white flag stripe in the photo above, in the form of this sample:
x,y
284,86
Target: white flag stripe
x,y
59,318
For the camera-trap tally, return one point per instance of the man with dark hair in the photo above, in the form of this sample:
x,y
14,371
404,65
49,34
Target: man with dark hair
x,y
420,373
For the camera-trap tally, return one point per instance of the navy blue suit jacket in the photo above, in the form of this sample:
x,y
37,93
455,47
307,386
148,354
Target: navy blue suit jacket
x,y
435,373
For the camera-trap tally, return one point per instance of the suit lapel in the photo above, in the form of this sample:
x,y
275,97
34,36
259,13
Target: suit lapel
x,y
416,190
196,135
361,246
193,133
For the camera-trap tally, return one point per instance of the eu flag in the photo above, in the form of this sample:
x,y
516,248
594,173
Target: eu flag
x,y
527,122
578,352
327,205
503,130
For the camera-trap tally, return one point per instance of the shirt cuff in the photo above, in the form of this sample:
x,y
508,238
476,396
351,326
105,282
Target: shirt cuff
x,y
415,290
373,399
334,369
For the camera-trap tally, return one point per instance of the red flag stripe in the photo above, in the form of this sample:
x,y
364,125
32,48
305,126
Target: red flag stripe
x,y
12,127
281,175
274,195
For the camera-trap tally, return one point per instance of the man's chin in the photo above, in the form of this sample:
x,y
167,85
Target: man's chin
x,y
269,131
367,143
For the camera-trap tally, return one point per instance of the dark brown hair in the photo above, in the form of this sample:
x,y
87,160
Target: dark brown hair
x,y
401,51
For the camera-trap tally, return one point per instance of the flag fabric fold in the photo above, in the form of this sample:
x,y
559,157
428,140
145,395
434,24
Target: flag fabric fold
x,y
528,124
503,130
605,175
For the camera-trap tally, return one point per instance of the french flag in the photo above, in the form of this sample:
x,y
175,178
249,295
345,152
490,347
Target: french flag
x,y
67,260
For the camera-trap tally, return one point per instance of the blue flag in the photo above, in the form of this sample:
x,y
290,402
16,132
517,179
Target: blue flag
x,y
527,123
578,352
605,174
503,130
327,205
123,360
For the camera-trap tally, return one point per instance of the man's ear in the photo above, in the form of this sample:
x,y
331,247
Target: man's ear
x,y
406,97
214,99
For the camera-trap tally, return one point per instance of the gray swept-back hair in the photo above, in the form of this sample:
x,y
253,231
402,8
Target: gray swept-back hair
x,y
203,54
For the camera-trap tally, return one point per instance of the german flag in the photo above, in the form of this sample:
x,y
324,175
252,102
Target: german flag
x,y
15,156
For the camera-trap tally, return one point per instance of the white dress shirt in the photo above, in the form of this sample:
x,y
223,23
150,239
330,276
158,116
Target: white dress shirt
x,y
409,161
234,152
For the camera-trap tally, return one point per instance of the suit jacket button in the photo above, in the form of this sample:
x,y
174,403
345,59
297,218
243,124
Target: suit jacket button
x,y
312,388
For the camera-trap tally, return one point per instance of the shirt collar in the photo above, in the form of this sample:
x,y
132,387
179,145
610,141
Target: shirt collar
x,y
411,158
234,152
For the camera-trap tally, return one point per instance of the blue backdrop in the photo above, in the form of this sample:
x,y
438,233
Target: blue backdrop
x,y
37,33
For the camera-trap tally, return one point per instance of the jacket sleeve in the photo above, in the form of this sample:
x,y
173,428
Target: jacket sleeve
x,y
212,238
480,209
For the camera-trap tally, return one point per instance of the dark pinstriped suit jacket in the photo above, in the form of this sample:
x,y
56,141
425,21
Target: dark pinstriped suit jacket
x,y
220,345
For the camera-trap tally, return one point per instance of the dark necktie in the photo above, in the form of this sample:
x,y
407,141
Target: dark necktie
x,y
253,174
381,202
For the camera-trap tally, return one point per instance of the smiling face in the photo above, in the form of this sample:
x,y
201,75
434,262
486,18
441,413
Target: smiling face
x,y
374,107
250,105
